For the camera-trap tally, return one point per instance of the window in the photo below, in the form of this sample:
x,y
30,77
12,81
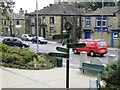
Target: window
x,y
101,44
64,20
51,20
18,23
5,23
32,20
98,22
52,30
43,20
8,40
87,22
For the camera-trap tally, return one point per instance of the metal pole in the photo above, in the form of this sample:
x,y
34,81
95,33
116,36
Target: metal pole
x,y
108,12
67,68
67,74
14,24
76,23
67,64
102,20
37,24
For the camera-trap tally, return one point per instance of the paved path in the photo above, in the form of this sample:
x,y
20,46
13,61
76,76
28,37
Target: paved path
x,y
52,78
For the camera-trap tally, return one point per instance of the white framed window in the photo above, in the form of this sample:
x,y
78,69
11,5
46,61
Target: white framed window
x,y
51,20
100,20
87,22
52,30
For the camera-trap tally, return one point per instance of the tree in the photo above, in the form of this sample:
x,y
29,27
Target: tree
x,y
111,76
85,5
95,5
6,7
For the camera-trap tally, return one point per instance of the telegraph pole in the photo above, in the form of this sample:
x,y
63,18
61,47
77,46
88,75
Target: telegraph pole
x,y
102,20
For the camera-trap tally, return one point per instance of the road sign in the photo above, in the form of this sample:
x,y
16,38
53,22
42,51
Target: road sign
x,y
62,49
76,45
60,36
58,55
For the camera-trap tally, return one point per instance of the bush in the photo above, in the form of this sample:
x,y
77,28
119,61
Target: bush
x,y
16,57
3,47
111,76
14,50
8,58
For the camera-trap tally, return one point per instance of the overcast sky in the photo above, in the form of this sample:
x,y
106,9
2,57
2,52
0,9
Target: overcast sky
x,y
30,5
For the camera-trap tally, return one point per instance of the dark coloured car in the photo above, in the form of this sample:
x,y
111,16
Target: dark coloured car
x,y
13,41
41,40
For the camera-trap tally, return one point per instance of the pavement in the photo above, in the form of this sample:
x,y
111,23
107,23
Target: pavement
x,y
51,78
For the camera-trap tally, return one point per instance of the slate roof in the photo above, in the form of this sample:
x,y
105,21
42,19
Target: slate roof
x,y
58,9
106,11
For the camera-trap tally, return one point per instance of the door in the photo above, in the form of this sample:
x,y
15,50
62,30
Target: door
x,y
44,32
87,35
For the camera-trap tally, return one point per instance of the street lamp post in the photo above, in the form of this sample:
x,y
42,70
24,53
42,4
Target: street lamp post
x,y
37,24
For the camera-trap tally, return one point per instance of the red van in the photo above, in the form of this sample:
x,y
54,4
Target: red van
x,y
93,47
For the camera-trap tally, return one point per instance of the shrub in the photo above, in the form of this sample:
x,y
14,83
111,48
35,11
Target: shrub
x,y
8,58
111,76
22,58
3,47
14,50
27,55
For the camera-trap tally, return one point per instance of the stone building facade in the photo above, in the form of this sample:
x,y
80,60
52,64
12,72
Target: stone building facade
x,y
15,25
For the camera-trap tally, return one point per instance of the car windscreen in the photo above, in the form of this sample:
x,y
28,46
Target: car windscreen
x,y
17,40
101,43
30,35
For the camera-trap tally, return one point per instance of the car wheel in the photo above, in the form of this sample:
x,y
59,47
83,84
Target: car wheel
x,y
23,46
27,39
101,55
75,51
92,53
40,42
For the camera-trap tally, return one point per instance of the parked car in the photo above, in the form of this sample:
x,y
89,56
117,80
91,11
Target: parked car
x,y
93,47
41,40
13,41
26,37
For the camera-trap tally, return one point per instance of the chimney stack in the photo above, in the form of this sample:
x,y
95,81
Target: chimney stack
x,y
21,12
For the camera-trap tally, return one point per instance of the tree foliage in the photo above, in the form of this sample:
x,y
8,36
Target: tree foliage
x,y
6,7
95,5
111,76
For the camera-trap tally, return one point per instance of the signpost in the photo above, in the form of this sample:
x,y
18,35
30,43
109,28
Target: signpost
x,y
62,49
76,45
68,27
59,36
63,55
